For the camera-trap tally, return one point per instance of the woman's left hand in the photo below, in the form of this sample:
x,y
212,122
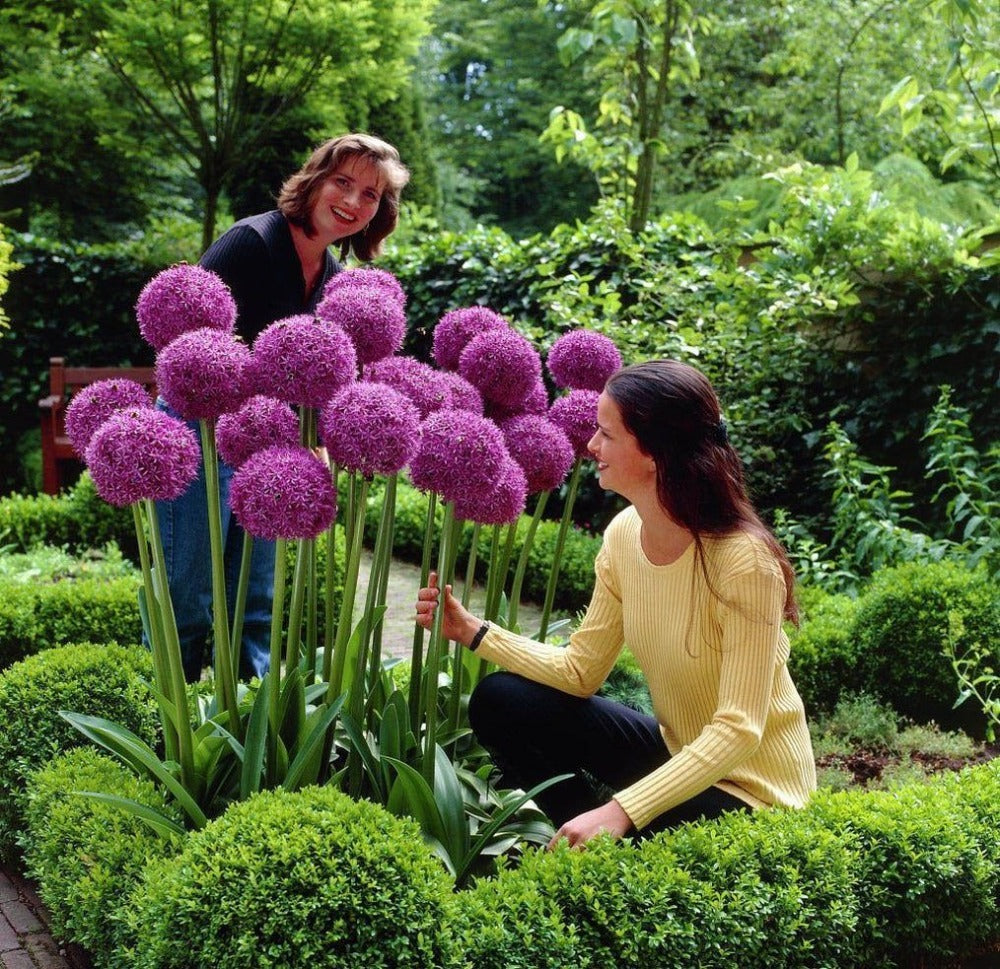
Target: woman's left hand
x,y
610,819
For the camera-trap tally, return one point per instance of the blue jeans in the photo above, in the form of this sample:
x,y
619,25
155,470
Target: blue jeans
x,y
188,556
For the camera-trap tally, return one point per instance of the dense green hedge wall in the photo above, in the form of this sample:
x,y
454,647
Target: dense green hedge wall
x,y
105,681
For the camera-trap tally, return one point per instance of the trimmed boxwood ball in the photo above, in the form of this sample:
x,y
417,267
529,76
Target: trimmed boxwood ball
x,y
104,681
288,880
86,854
903,621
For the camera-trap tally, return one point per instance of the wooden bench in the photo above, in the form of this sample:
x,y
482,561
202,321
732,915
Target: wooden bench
x,y
64,382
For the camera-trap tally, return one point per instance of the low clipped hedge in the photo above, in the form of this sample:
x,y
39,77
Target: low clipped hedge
x,y
295,880
106,681
85,854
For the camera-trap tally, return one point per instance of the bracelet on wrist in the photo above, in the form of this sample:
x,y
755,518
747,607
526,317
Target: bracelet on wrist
x,y
478,638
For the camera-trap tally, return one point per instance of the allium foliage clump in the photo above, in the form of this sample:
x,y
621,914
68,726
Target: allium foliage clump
x,y
93,405
370,315
260,422
503,365
283,492
541,448
180,299
460,455
142,453
583,360
201,374
576,414
456,328
370,428
303,360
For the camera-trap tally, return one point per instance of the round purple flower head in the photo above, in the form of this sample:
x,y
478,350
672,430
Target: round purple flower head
x,y
460,455
303,360
456,328
503,365
368,276
535,402
419,381
576,414
371,428
142,453
501,505
180,299
202,374
541,449
283,492
370,315
259,423
583,360
93,405
463,395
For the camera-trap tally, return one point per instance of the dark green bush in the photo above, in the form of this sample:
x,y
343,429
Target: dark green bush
x,y
42,616
824,652
106,681
905,617
87,855
295,880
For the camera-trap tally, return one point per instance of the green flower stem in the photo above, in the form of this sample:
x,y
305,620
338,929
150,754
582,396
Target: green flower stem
x,y
564,523
379,578
329,593
295,608
225,683
236,641
307,424
175,665
277,617
435,650
161,669
522,560
417,652
458,657
356,514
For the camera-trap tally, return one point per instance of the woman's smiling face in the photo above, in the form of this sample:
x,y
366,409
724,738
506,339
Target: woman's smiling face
x,y
622,466
348,200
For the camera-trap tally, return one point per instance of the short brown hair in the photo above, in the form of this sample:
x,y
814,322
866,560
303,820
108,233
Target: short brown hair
x,y
295,200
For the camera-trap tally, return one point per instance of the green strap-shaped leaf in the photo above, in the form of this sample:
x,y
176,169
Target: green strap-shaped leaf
x,y
360,747
256,740
160,823
296,769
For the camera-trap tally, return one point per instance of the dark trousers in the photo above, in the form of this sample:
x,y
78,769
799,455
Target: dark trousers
x,y
535,732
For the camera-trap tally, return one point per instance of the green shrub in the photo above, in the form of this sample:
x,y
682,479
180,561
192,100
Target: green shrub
x,y
823,657
66,611
905,617
295,880
106,681
924,887
85,854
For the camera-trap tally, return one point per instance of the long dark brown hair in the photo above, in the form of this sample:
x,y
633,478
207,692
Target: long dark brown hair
x,y
674,414
295,200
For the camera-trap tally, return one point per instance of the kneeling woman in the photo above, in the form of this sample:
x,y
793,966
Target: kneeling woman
x,y
695,585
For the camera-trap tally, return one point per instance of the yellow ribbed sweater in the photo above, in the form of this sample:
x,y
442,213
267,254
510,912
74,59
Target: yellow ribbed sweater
x,y
715,665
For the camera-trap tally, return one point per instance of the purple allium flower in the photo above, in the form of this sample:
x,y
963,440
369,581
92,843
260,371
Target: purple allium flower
x,y
259,423
456,328
503,504
367,276
541,449
460,455
369,315
93,405
142,453
576,414
419,381
180,299
283,492
303,360
202,374
371,428
583,360
463,395
535,402
502,364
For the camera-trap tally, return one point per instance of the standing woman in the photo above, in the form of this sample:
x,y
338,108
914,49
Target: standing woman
x,y
276,264
697,587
